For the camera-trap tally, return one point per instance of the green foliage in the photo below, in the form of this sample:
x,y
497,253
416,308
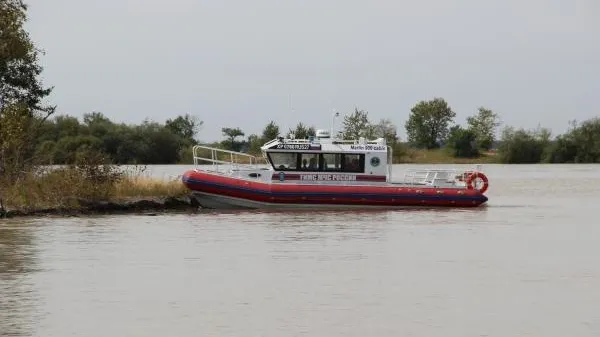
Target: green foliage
x,y
21,91
185,127
581,144
15,139
19,68
484,125
270,132
427,125
357,125
230,143
387,130
523,146
302,131
462,143
157,143
254,144
64,139
400,151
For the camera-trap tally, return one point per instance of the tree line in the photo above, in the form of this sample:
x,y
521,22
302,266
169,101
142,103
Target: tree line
x,y
31,134
64,139
431,126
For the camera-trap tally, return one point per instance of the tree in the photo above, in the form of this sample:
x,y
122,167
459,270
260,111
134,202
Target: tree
x,y
186,127
232,134
387,130
19,68
484,125
427,125
357,125
271,131
21,92
254,144
159,145
522,146
580,144
462,142
302,131
98,125
67,126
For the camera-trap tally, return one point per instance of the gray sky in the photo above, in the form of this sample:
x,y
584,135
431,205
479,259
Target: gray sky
x,y
235,62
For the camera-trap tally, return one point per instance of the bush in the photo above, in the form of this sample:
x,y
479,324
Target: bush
x,y
522,146
462,143
400,152
91,179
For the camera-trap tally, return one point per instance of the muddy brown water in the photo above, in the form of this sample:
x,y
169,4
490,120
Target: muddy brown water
x,y
528,264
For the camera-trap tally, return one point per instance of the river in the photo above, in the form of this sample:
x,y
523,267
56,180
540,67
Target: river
x,y
528,264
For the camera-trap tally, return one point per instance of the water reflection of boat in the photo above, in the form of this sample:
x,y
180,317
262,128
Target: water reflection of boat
x,y
324,172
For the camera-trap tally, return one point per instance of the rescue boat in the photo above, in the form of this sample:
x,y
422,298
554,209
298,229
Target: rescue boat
x,y
324,172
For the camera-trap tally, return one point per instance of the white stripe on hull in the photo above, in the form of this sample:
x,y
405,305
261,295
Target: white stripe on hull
x,y
214,201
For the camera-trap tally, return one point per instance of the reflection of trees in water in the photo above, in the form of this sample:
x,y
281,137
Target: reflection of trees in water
x,y
17,296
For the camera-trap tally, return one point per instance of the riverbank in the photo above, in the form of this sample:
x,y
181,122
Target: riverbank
x,y
148,206
89,190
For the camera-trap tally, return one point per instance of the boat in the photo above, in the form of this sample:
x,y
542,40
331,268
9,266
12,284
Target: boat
x,y
324,172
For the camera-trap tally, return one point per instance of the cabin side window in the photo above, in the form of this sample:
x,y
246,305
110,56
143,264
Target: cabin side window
x,y
284,160
309,162
331,162
354,163
324,162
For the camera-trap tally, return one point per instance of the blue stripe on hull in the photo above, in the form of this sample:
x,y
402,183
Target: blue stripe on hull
x,y
372,196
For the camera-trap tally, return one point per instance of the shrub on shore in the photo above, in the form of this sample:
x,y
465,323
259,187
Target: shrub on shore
x,y
89,180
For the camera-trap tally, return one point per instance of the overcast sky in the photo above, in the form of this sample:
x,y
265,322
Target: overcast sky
x,y
236,62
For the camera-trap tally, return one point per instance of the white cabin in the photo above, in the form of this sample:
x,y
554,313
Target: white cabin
x,y
324,158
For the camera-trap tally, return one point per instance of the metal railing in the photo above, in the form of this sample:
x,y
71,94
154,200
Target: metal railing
x,y
429,176
437,176
219,159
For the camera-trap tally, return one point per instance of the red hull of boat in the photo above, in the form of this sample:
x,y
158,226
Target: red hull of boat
x,y
391,195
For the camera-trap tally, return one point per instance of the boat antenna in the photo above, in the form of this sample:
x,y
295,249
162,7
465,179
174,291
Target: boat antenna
x,y
335,114
291,112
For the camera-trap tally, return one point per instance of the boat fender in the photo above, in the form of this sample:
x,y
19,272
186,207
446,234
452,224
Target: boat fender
x,y
474,176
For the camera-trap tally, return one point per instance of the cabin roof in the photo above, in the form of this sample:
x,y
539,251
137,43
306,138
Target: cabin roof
x,y
325,145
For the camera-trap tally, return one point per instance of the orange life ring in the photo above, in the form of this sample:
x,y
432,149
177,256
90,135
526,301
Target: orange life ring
x,y
475,175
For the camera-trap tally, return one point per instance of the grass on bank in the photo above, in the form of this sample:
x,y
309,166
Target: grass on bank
x,y
66,187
